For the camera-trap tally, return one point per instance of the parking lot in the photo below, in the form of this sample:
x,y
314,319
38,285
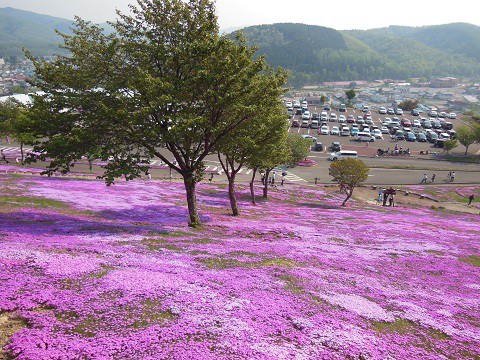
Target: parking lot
x,y
312,125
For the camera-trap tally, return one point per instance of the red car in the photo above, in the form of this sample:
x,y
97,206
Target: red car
x,y
350,119
406,123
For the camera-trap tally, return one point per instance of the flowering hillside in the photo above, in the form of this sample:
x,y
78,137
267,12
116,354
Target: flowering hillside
x,y
95,272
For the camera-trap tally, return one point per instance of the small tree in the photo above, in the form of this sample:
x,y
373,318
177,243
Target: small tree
x,y
449,145
408,105
349,173
466,136
350,94
298,149
15,123
323,99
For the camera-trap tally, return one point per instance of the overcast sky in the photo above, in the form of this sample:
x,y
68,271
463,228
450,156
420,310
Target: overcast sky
x,y
340,15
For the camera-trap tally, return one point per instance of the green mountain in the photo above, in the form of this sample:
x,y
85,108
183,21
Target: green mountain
x,y
311,53
314,54
35,32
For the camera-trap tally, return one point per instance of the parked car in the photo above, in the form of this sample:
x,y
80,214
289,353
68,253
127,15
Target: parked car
x,y
442,114
421,137
399,135
295,123
406,122
415,112
342,108
382,110
377,133
410,137
309,137
324,130
314,124
327,107
304,124
306,115
384,130
318,146
335,130
333,117
427,124
452,115
433,114
354,131
447,125
315,116
350,119
342,119
416,123
345,131
390,111
439,142
432,136
399,111
336,146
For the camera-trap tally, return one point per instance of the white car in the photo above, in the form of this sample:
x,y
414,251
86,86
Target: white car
x,y
444,136
452,115
333,117
345,131
288,104
342,119
384,130
368,120
366,130
399,111
377,133
387,121
335,130
416,123
324,130
382,110
306,115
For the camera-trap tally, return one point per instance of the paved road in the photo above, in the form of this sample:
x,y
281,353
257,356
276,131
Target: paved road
x,y
382,169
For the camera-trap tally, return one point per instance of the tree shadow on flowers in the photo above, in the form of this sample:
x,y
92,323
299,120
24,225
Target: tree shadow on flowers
x,y
137,221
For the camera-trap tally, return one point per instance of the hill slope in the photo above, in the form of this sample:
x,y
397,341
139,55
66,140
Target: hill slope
x,y
90,271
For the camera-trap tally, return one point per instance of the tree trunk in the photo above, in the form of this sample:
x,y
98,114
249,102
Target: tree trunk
x,y
231,194
265,186
349,195
21,151
252,192
190,184
466,150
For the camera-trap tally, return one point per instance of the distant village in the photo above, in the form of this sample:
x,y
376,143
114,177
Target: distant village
x,y
448,92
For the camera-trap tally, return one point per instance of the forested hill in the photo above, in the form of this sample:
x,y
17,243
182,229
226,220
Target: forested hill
x,y
314,53
311,53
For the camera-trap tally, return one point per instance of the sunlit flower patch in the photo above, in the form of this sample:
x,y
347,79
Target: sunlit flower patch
x,y
96,272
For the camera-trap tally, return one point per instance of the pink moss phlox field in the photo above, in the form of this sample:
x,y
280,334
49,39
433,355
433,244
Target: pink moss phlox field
x,y
98,272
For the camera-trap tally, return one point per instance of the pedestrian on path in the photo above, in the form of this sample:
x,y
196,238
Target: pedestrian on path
x,y
273,178
2,155
433,177
452,177
470,199
424,180
283,178
449,177
149,176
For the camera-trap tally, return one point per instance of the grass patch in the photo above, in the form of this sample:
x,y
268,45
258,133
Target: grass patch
x,y
231,263
38,202
472,260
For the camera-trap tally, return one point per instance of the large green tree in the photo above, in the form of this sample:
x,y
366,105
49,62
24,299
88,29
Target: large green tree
x,y
349,173
350,94
164,79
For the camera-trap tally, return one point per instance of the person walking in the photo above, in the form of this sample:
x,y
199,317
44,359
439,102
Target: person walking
x,y
283,179
452,177
263,179
424,180
2,155
433,177
273,178
149,176
470,199
390,201
449,177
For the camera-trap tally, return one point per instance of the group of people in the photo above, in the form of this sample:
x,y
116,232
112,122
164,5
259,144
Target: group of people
x,y
271,179
385,195
450,177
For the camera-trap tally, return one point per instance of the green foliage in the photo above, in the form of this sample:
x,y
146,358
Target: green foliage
x,y
349,173
408,105
350,94
298,149
449,145
466,135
